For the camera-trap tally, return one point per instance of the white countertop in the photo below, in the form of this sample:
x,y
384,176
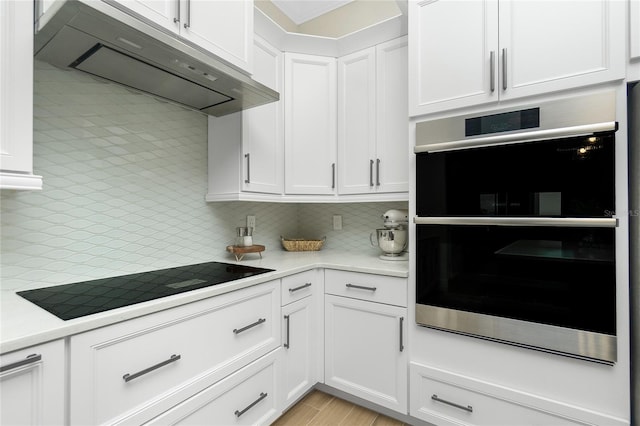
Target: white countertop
x,y
23,324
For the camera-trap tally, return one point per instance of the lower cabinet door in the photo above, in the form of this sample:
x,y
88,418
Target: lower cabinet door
x,y
247,397
298,336
364,350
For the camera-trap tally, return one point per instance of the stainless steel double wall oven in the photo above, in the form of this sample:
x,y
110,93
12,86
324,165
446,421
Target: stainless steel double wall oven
x,y
515,234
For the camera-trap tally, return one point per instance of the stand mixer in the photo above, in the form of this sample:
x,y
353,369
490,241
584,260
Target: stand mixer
x,y
392,239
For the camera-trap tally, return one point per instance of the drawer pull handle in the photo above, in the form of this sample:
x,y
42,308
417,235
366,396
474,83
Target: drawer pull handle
x,y
245,328
291,290
250,406
28,360
453,404
129,377
286,317
361,287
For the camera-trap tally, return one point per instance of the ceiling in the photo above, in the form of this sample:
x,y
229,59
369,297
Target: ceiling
x,y
300,11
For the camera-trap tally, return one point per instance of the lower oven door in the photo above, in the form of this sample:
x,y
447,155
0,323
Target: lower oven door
x,y
546,283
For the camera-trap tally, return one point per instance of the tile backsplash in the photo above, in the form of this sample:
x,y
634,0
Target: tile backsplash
x,y
125,176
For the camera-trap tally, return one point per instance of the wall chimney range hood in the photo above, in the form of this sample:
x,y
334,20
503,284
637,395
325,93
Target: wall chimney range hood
x,y
98,38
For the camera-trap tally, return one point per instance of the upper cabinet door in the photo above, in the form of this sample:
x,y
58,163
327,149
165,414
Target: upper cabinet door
x,y
557,45
223,27
310,124
392,148
263,127
165,13
451,44
357,122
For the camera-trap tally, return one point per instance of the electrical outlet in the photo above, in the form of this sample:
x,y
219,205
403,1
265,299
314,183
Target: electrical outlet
x,y
337,222
251,222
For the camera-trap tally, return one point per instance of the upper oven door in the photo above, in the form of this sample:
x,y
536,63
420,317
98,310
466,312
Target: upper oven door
x,y
568,177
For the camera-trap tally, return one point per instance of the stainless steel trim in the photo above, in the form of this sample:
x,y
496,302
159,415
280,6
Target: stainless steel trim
x,y
377,172
576,222
401,334
371,173
28,360
504,68
581,344
468,408
574,116
128,377
262,396
247,327
248,179
536,135
361,287
333,175
288,319
305,285
492,71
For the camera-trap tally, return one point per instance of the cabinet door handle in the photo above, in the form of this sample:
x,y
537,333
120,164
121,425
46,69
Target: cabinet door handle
x,y
176,19
504,69
378,172
371,173
401,334
333,176
248,179
262,396
247,327
492,71
28,360
288,319
128,377
453,404
188,23
291,290
361,287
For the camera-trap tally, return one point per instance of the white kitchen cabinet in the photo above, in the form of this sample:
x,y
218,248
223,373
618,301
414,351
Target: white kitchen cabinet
x,y
32,383
505,49
634,41
223,27
445,398
373,120
246,149
365,352
301,334
16,102
247,397
310,124
133,371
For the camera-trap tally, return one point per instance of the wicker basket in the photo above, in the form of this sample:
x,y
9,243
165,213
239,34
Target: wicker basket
x,y
300,244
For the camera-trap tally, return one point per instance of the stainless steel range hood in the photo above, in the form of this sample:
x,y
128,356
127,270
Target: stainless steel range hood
x,y
98,38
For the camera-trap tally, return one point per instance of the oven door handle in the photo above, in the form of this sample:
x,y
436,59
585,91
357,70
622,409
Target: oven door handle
x,y
578,222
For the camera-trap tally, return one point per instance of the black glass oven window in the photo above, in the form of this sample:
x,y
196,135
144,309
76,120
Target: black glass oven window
x,y
504,122
557,276
85,298
570,177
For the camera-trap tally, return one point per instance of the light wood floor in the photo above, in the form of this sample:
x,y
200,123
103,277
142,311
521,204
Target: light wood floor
x,y
319,408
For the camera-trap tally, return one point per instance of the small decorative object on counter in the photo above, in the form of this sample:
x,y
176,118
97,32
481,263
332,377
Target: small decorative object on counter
x,y
245,237
301,244
240,251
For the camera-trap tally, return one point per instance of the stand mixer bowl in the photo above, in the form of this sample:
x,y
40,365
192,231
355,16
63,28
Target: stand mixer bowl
x,y
391,241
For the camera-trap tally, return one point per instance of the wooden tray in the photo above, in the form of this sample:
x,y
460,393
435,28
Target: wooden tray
x,y
239,251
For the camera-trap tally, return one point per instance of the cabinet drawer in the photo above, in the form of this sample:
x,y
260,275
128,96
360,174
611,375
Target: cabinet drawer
x,y
298,286
247,397
151,361
445,398
375,288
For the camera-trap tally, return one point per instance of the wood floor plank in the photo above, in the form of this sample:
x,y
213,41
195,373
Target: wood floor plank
x,y
359,416
299,414
317,399
382,420
333,413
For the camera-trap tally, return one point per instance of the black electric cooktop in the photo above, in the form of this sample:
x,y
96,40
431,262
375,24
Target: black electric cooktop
x,y
76,300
